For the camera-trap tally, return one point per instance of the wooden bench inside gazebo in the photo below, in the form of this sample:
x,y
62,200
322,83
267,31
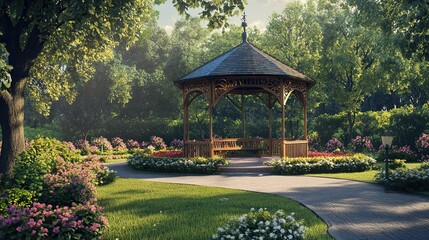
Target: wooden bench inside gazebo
x,y
245,70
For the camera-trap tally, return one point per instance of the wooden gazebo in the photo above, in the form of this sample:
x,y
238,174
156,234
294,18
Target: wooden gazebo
x,y
245,70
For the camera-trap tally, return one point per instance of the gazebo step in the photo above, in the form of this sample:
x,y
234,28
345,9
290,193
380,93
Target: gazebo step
x,y
246,169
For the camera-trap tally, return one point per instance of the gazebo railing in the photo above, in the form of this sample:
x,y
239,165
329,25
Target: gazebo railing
x,y
196,149
264,147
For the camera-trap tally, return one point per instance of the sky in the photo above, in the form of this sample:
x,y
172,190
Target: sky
x,y
257,11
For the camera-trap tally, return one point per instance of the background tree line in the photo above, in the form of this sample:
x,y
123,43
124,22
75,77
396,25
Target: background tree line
x,y
360,65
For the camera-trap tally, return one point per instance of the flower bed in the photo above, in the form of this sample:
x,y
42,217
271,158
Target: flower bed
x,y
327,154
296,166
169,154
145,162
48,175
262,224
42,221
407,179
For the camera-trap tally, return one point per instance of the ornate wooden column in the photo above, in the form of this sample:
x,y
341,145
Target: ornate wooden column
x,y
211,103
243,116
283,97
185,117
305,119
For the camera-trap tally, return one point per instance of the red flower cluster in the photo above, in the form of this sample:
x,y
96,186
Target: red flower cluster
x,y
327,154
169,154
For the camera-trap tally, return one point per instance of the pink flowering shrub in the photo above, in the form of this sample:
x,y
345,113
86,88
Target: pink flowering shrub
x,y
422,145
118,144
157,142
177,144
43,221
362,144
333,145
132,144
69,182
102,144
395,152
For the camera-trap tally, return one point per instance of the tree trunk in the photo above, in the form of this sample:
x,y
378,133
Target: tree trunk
x,y
12,126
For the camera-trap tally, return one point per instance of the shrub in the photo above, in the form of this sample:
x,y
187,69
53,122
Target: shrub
x,y
422,145
118,144
38,160
169,154
69,182
83,145
15,196
333,145
397,163
177,144
102,144
157,142
262,224
295,166
407,179
362,144
42,221
132,144
313,141
403,152
180,165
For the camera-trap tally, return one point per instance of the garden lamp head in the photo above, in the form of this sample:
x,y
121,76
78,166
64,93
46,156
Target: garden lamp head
x,y
387,140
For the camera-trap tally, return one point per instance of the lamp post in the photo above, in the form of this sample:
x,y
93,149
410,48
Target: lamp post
x,y
387,142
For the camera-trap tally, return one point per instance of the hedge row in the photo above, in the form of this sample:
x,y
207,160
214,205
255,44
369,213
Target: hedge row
x,y
304,165
145,162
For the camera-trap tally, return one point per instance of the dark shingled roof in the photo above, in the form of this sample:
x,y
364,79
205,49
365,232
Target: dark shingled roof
x,y
245,60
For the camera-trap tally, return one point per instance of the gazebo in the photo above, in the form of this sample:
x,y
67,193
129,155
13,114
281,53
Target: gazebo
x,y
245,70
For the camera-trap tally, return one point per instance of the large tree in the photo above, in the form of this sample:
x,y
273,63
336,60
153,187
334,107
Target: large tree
x,y
407,19
47,43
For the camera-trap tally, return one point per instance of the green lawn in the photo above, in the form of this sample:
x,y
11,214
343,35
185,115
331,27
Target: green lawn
x,y
139,209
367,176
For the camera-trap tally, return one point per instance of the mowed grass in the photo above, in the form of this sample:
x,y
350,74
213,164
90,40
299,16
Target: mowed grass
x,y
367,176
139,209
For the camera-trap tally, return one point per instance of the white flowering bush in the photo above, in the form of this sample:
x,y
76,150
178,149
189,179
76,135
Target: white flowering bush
x,y
325,164
145,162
261,224
408,179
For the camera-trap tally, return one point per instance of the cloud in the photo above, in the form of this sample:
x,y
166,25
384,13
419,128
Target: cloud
x,y
259,24
168,29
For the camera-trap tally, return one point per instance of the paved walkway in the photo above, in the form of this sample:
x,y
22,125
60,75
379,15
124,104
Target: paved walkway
x,y
353,210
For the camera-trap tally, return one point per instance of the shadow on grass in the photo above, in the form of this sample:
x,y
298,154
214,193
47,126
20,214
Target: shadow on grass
x,y
147,210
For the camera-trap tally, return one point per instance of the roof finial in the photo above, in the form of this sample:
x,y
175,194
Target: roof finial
x,y
244,25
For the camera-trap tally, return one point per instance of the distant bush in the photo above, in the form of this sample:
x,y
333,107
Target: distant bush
x,y
403,152
397,163
157,142
334,145
102,143
304,165
422,145
176,144
181,165
362,144
118,144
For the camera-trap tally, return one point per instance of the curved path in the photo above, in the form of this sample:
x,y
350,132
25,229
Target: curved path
x,y
353,210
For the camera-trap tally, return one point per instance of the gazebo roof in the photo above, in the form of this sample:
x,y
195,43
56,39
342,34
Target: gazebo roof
x,y
244,60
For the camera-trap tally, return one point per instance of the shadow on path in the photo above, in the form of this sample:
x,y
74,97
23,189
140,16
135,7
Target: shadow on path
x,y
353,210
